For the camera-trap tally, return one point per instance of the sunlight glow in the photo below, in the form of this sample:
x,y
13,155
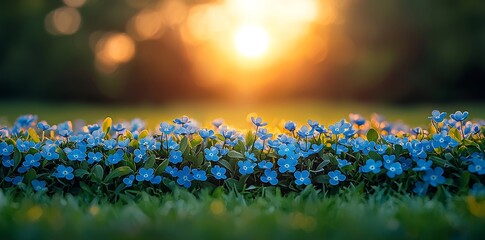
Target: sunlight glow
x,y
251,41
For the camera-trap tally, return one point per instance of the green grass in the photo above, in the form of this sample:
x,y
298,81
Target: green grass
x,y
181,215
234,114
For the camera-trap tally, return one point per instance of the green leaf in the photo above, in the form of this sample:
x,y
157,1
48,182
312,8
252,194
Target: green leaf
x,y
80,172
33,135
372,135
183,144
232,183
17,156
226,164
161,167
455,134
118,172
107,123
98,172
143,134
29,176
150,162
374,155
321,165
234,154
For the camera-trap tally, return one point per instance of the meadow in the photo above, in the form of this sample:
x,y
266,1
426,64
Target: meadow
x,y
365,206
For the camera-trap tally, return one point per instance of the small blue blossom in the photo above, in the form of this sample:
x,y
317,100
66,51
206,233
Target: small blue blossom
x,y
185,177
302,178
219,172
269,176
437,116
406,163
182,121
265,165
258,122
109,144
123,143
304,132
246,167
434,176
172,171
441,140
290,126
420,188
423,165
336,177
212,154
393,169
24,146
15,180
115,157
478,190
205,134
7,161
459,116
287,165
128,181
6,149
38,185
64,172
140,155
388,159
119,128
145,174
43,126
199,175
217,122
381,148
250,156
32,160
371,166
94,157
478,166
156,179
166,128
285,149
342,163
76,155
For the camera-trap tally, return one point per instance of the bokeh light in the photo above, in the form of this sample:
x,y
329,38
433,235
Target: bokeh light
x,y
63,21
113,49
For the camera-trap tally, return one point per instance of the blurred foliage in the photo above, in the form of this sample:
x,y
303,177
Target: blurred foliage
x,y
397,51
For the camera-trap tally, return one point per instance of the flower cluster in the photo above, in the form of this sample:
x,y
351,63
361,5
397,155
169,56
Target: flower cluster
x,y
116,159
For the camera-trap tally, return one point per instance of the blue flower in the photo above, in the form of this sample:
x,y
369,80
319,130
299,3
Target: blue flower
x,y
185,177
371,166
94,157
434,176
269,176
437,116
205,134
290,126
420,188
423,165
212,154
287,165
336,177
109,144
7,161
459,116
24,146
393,169
478,166
139,155
199,175
250,156
128,181
76,155
119,128
388,160
381,148
172,171
43,126
302,177
182,121
263,134
219,172
405,163
304,132
166,128
15,181
285,149
115,157
6,149
32,160
340,127
156,179
217,122
123,143
477,190
64,129
342,163
246,167
356,119
64,172
441,140
49,152
265,164
145,174
38,185
258,122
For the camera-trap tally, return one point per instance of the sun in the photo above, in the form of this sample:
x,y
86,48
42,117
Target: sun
x,y
251,41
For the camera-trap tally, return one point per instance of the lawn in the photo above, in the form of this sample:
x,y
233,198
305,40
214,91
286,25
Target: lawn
x,y
220,213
